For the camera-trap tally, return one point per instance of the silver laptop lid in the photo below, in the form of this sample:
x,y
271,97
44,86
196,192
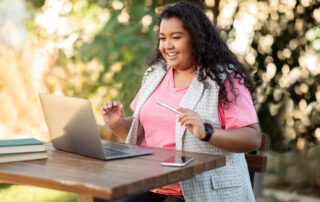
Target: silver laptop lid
x,y
72,125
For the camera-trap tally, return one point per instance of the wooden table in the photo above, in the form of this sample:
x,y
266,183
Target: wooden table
x,y
113,179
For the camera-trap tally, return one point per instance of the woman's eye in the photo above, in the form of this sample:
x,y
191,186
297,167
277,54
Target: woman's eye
x,y
176,37
161,38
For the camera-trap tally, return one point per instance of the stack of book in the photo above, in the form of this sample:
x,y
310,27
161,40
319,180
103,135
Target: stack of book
x,y
21,150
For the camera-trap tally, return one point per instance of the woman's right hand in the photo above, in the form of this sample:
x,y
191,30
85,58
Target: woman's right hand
x,y
112,113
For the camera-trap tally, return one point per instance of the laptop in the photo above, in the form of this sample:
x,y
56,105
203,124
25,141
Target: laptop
x,y
73,128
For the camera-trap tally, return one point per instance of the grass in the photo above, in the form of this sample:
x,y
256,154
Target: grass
x,y
21,193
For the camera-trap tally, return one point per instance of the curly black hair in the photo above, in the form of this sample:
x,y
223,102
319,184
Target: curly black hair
x,y
210,52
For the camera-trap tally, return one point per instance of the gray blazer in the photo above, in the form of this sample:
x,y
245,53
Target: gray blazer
x,y
228,183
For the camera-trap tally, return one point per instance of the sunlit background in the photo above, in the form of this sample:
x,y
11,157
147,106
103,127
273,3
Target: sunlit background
x,y
99,49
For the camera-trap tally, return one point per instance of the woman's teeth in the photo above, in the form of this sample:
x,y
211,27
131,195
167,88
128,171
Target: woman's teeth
x,y
172,54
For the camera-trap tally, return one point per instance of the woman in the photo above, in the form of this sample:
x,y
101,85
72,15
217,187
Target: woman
x,y
193,70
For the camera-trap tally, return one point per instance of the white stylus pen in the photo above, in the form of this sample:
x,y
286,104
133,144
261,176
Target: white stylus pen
x,y
168,107
172,109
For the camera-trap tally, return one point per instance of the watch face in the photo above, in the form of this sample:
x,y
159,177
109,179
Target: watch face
x,y
208,128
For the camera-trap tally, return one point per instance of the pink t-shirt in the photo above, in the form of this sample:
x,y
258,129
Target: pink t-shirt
x,y
240,112
159,122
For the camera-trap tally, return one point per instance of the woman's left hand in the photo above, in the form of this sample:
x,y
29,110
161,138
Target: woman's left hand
x,y
192,121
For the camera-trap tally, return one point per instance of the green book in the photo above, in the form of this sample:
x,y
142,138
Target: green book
x,y
21,146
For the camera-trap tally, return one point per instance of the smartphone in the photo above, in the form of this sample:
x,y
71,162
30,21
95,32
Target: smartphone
x,y
177,160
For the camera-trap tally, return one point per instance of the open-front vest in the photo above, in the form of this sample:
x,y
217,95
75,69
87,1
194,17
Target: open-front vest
x,y
228,183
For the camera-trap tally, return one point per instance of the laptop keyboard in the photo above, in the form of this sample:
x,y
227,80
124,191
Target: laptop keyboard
x,y
119,147
115,146
111,152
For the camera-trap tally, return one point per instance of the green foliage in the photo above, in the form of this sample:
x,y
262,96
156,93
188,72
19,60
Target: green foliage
x,y
123,43
35,4
18,193
314,37
287,96
297,169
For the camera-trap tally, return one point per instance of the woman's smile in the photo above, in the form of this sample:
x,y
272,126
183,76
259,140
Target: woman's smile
x,y
172,56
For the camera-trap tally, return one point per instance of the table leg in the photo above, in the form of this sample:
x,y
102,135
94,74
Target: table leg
x,y
84,198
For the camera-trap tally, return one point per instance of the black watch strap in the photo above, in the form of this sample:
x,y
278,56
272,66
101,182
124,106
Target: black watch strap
x,y
209,131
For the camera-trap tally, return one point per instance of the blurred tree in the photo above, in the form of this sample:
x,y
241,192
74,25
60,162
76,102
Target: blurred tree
x,y
287,73
122,46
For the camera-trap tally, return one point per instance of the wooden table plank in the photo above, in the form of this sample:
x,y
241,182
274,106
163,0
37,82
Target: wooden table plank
x,y
105,179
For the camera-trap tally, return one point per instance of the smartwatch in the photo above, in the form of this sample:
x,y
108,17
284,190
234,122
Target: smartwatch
x,y
209,131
